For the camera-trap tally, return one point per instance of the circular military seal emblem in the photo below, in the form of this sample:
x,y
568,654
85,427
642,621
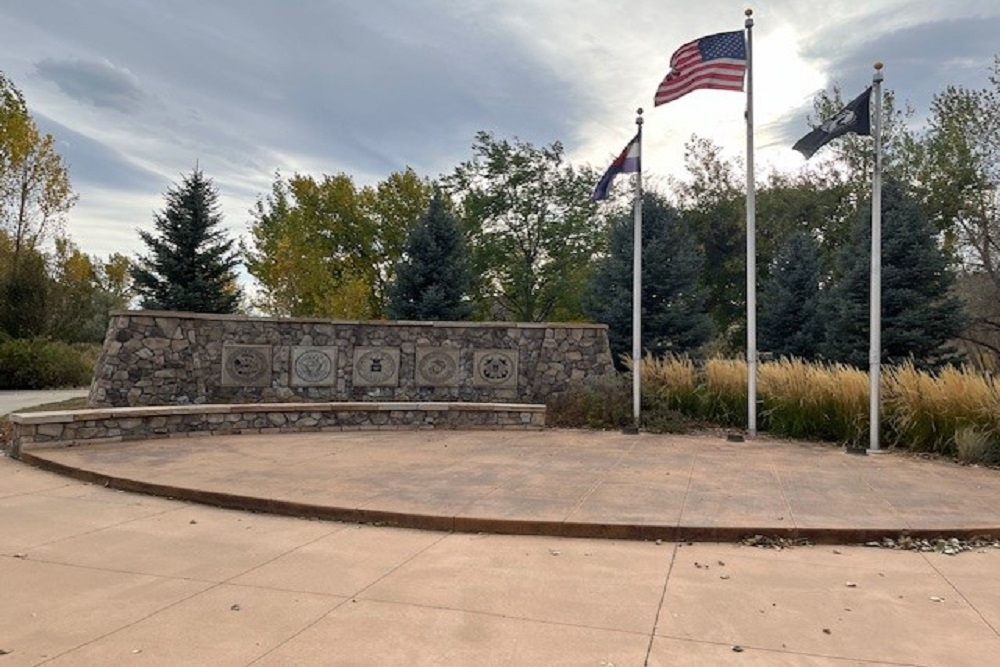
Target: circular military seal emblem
x,y
313,366
376,367
496,368
437,367
247,365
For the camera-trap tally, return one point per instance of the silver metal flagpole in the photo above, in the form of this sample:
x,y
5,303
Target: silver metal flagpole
x,y
751,246
637,283
875,306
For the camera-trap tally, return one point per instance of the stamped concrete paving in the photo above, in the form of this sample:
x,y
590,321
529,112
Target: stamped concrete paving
x,y
94,576
557,482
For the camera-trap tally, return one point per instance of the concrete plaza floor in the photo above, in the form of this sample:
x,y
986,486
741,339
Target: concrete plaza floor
x,y
90,575
559,482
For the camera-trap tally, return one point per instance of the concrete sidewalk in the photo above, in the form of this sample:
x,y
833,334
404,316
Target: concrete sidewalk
x,y
12,401
94,576
557,482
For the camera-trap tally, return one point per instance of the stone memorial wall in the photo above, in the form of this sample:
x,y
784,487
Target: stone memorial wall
x,y
170,358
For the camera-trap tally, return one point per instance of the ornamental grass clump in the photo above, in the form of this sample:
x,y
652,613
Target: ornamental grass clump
x,y
672,382
931,412
813,400
725,390
954,412
975,446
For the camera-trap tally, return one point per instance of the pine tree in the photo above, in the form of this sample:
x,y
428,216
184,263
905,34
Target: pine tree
x,y
920,314
433,280
789,323
24,291
674,317
191,265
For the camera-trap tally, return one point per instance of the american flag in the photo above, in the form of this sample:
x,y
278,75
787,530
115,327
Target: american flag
x,y
716,61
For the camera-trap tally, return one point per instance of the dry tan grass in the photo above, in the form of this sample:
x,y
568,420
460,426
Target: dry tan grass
x,y
812,400
955,412
725,382
673,382
926,411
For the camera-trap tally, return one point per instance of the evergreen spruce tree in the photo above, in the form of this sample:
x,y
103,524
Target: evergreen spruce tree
x,y
24,293
674,318
191,265
433,280
920,314
788,320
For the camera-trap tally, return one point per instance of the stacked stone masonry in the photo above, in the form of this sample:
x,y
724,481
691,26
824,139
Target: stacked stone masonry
x,y
167,358
49,429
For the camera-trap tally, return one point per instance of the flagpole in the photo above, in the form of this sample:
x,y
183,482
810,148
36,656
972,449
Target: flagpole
x,y
637,282
751,245
875,307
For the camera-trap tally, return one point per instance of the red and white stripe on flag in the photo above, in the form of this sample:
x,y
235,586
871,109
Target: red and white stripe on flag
x,y
716,61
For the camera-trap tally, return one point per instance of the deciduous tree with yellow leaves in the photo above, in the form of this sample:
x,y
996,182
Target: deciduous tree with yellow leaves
x,y
322,247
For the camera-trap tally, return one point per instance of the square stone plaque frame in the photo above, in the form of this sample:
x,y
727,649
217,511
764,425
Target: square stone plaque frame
x,y
246,365
495,368
313,367
438,367
376,367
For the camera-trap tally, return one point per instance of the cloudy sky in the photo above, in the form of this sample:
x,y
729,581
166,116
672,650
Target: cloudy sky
x,y
137,92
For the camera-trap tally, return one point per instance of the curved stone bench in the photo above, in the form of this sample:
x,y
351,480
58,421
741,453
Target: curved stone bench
x,y
66,428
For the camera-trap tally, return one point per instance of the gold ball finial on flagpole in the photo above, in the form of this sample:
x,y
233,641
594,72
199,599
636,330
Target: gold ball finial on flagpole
x,y
748,12
638,117
879,65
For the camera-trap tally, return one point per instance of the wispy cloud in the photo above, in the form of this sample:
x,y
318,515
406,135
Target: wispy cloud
x,y
137,92
96,82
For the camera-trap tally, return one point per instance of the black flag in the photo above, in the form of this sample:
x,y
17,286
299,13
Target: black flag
x,y
855,117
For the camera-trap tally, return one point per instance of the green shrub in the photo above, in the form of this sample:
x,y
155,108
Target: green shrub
x,y
41,364
605,402
602,402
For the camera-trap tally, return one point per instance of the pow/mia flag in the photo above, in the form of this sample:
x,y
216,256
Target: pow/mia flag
x,y
855,117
